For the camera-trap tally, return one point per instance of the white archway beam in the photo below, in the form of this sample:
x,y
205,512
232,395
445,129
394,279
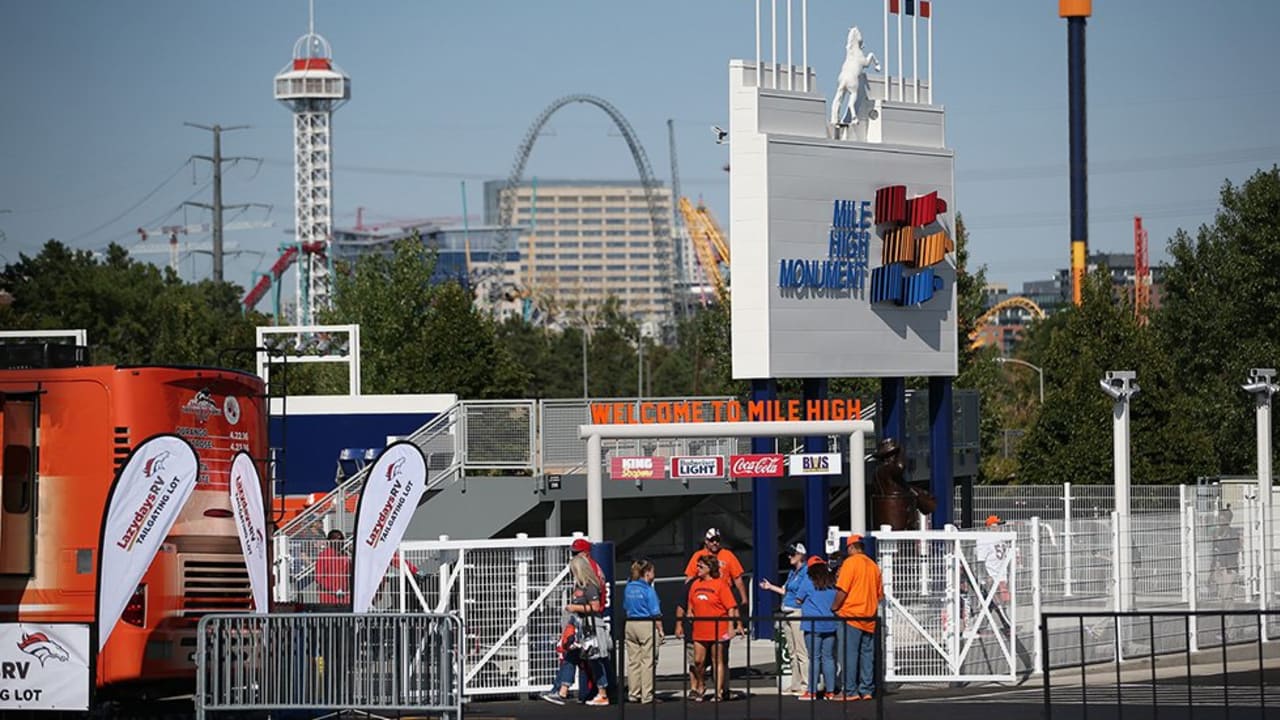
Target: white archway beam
x,y
857,430
506,201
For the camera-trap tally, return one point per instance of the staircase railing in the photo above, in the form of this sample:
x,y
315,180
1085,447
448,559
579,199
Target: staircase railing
x,y
471,435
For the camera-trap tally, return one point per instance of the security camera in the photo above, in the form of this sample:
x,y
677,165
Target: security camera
x,y
720,134
1120,384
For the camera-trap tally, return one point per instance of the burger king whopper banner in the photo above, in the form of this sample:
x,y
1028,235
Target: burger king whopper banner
x,y
391,494
142,505
251,523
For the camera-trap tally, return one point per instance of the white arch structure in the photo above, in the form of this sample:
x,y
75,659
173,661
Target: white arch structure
x,y
662,238
857,430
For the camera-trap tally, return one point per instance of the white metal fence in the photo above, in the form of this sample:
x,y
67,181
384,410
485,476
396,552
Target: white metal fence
x,y
1189,549
329,662
947,610
509,595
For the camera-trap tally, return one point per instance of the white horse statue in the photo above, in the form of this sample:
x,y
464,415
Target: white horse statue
x,y
852,81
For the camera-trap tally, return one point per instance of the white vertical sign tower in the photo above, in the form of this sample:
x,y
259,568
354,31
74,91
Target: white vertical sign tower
x,y
312,86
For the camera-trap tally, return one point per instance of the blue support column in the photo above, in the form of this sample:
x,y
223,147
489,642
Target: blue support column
x,y
941,449
817,489
764,530
893,410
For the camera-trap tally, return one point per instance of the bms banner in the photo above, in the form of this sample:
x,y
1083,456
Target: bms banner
x,y
391,495
44,666
251,522
143,504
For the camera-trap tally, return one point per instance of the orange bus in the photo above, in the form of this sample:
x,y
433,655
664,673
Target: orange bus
x,y
66,431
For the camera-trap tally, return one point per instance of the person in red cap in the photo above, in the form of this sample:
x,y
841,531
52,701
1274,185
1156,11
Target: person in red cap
x,y
581,546
859,591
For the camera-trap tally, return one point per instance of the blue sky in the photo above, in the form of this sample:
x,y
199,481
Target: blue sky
x,y
1182,96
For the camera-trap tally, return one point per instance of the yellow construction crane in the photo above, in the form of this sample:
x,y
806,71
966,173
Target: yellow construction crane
x,y
709,243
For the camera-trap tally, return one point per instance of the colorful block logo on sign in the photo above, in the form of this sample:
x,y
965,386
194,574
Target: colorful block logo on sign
x,y
911,240
637,468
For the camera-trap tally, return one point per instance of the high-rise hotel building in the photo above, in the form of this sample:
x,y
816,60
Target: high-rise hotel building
x,y
585,240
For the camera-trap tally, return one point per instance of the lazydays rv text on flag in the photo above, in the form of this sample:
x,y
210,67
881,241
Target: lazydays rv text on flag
x,y
696,411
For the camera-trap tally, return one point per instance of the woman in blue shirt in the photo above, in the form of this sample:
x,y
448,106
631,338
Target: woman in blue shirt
x,y
644,631
791,626
816,595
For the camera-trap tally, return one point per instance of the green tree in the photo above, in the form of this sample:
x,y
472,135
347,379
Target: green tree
x,y
1218,317
418,337
133,312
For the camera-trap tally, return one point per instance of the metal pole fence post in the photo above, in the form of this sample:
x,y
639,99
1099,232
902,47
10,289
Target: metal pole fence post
x,y
1116,571
1183,550
1036,585
1194,565
1066,539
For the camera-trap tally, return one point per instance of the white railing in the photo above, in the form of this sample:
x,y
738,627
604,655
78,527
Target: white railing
x,y
1197,557
470,435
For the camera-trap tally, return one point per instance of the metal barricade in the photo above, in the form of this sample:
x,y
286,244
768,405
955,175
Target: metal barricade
x,y
330,662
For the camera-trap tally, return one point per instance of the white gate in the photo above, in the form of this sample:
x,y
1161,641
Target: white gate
x,y
510,595
950,610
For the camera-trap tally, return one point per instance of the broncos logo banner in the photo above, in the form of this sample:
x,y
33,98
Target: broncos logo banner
x,y
251,522
142,505
44,666
392,491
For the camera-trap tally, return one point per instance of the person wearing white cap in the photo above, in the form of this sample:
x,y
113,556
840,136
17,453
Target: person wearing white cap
x,y
791,609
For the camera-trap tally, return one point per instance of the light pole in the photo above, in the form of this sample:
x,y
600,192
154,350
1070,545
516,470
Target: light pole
x,y
1262,386
1039,371
1121,386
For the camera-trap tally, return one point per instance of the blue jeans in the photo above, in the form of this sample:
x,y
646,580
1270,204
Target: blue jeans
x,y
569,668
822,661
859,661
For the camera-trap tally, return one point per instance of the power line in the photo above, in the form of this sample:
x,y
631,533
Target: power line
x,y
132,207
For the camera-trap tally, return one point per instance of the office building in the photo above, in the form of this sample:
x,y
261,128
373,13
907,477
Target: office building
x,y
582,241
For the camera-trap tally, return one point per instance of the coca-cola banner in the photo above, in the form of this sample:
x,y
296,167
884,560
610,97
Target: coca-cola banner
x,y
746,466
637,468
697,466
392,491
142,505
251,522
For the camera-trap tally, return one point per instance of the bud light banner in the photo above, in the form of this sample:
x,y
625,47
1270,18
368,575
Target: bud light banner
x,y
142,505
44,666
391,494
748,466
251,523
697,466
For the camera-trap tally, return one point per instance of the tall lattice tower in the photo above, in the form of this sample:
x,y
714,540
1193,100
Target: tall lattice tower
x,y
312,86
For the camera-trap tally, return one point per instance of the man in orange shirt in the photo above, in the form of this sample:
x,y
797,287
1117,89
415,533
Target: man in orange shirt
x,y
858,595
730,568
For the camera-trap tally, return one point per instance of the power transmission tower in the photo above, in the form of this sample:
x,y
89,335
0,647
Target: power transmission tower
x,y
217,208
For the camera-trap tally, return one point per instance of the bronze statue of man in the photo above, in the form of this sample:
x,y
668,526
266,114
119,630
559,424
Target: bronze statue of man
x,y
895,502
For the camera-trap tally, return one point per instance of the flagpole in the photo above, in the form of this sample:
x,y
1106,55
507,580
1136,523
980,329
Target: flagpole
x,y
804,41
791,68
915,54
888,74
902,86
759,62
929,32
773,28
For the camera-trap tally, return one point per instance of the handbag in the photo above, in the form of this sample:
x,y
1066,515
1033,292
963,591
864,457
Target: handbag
x,y
596,643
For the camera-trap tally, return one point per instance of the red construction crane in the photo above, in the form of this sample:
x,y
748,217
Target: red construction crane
x,y
1141,272
288,257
